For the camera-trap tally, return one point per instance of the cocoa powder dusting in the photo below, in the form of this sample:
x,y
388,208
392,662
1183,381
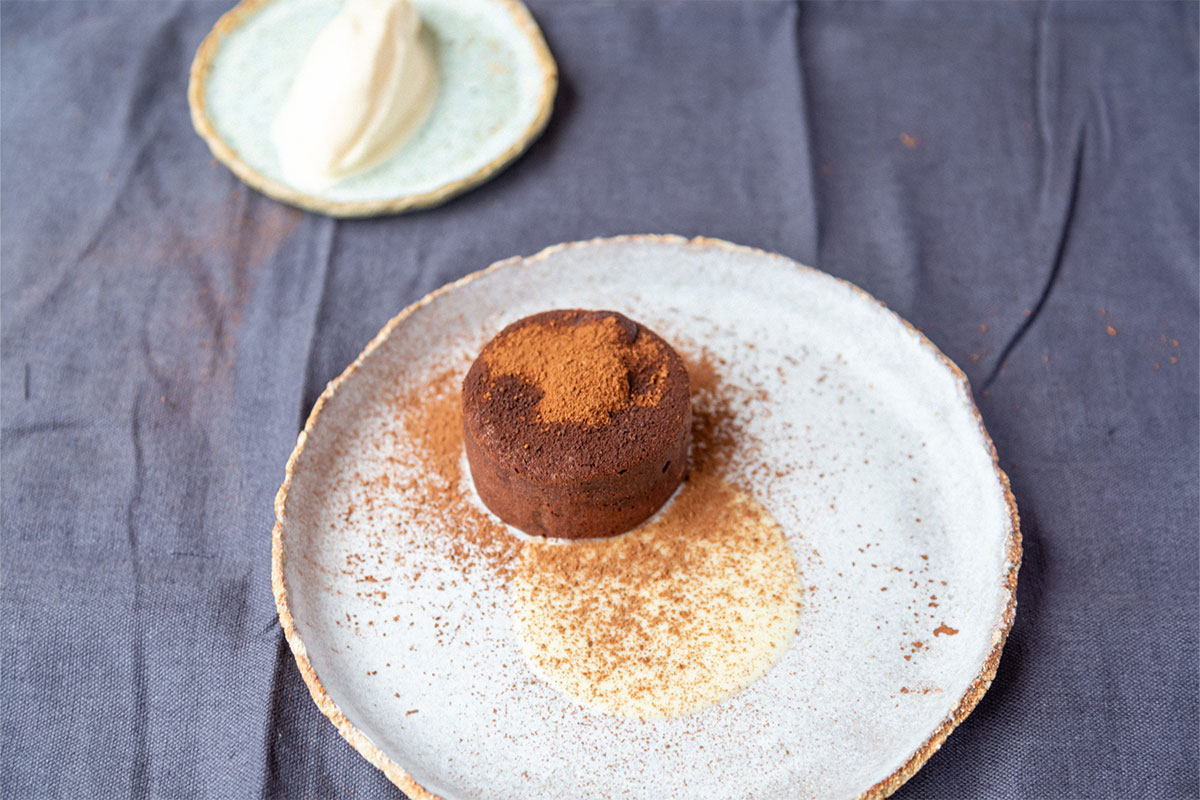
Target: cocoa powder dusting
x,y
680,612
720,413
433,422
674,616
665,620
581,369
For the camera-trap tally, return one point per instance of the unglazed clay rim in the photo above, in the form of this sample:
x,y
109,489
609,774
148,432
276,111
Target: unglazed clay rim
x,y
235,17
395,773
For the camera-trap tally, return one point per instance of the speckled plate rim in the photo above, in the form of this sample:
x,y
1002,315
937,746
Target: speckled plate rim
x,y
244,10
396,773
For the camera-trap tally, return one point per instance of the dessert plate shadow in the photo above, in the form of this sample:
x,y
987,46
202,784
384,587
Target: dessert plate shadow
x,y
856,433
497,81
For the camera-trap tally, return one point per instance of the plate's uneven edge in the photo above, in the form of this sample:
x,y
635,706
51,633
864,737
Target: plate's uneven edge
x,y
395,772
236,16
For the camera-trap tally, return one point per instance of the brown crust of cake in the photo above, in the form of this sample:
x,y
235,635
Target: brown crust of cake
x,y
568,479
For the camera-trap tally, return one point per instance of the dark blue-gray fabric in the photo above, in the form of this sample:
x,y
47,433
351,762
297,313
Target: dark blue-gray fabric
x,y
1018,180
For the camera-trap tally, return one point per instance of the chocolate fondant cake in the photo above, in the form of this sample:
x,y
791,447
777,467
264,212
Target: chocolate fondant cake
x,y
576,423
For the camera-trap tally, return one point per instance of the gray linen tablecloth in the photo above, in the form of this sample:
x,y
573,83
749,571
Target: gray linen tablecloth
x,y
1020,181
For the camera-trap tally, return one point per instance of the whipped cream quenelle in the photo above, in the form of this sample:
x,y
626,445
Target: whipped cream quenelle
x,y
365,87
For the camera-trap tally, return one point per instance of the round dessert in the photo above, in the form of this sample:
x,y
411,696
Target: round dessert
x,y
576,423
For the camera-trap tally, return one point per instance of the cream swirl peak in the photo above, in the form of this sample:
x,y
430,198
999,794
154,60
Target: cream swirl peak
x,y
366,85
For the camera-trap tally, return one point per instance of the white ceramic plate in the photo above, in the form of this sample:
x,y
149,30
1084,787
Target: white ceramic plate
x,y
870,453
497,85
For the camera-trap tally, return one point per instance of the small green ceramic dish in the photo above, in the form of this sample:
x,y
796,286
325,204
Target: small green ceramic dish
x,y
497,85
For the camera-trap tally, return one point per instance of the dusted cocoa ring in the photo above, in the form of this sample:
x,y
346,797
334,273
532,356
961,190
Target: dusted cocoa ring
x,y
576,423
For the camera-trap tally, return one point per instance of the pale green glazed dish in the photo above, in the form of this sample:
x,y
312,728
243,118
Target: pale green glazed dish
x,y
497,81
